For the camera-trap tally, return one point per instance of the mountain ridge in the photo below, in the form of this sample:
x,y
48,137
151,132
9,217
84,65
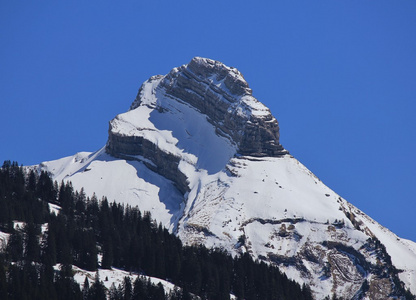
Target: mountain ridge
x,y
191,151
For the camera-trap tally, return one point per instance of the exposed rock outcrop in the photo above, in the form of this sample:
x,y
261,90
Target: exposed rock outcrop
x,y
224,96
161,162
221,93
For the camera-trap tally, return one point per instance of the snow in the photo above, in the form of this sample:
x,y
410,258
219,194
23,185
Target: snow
x,y
256,107
285,191
67,166
44,228
193,131
4,238
54,209
279,184
17,225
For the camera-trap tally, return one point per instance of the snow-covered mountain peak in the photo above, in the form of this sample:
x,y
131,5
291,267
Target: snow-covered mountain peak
x,y
222,79
227,79
221,95
199,152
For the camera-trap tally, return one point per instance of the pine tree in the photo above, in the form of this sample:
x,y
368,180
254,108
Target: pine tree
x,y
3,280
97,289
49,253
127,288
46,190
14,248
85,288
159,292
32,248
115,293
139,289
66,198
108,255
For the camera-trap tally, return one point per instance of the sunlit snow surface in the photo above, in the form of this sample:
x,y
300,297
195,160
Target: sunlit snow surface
x,y
128,182
229,196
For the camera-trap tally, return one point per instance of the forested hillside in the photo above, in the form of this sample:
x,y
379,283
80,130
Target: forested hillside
x,y
43,244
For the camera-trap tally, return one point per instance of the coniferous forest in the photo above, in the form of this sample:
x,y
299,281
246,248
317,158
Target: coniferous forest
x,y
37,261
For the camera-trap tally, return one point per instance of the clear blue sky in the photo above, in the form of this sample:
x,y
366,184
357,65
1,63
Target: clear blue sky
x,y
340,77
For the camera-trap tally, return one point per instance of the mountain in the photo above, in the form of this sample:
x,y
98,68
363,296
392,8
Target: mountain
x,y
199,152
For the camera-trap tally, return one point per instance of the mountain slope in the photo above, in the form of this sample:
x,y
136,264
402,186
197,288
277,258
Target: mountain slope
x,y
199,152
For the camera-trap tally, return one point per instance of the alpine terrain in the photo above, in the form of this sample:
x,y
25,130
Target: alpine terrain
x,y
199,152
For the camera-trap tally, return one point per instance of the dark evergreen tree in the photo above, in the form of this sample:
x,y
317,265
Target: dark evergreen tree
x,y
159,292
14,248
97,290
45,188
3,279
66,198
139,290
85,288
49,252
115,293
127,288
32,247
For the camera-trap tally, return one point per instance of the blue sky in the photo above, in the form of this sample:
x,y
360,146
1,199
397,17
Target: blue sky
x,y
340,77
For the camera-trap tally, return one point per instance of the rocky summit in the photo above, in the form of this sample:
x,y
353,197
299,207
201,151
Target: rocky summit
x,y
199,152
222,94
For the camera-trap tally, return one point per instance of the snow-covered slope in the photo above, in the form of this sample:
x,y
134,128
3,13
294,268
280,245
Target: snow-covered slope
x,y
199,152
114,278
128,182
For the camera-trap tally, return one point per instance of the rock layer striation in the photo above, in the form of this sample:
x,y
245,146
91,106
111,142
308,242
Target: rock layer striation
x,y
224,96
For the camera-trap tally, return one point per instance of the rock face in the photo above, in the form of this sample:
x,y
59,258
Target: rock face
x,y
222,94
161,162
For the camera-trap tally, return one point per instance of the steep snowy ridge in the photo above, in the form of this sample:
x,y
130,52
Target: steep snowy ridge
x,y
199,152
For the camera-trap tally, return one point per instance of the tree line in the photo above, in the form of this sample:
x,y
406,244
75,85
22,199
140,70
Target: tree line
x,y
125,238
